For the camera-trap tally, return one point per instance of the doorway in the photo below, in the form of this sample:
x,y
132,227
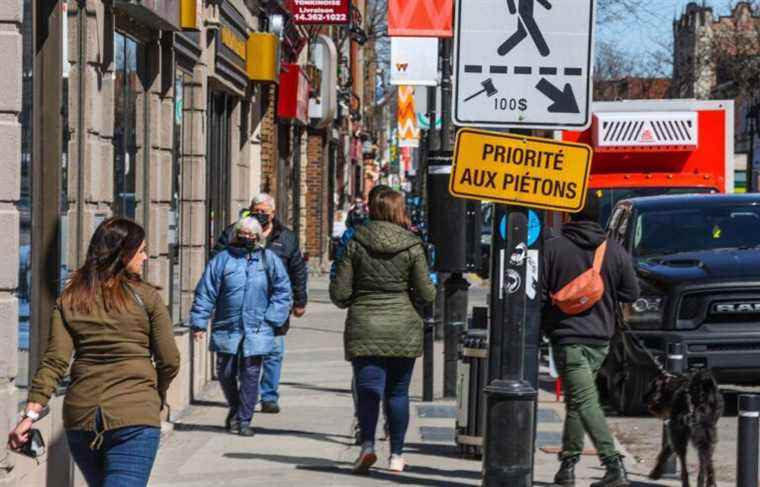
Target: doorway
x,y
220,106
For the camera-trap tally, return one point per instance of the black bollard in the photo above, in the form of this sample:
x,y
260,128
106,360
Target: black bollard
x,y
428,354
674,364
455,320
748,454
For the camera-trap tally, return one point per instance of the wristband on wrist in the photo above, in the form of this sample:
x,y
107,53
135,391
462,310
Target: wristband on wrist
x,y
31,415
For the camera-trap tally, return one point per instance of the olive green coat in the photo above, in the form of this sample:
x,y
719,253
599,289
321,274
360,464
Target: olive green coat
x,y
383,270
123,363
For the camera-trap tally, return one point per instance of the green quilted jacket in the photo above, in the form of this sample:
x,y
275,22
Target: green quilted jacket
x,y
383,270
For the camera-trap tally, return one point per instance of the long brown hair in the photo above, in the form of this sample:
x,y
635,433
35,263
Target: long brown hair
x,y
113,245
389,206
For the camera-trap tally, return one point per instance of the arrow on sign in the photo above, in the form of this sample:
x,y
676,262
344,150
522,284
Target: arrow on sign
x,y
564,101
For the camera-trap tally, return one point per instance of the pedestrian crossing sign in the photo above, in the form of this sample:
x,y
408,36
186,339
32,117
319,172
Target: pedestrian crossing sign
x,y
523,63
520,170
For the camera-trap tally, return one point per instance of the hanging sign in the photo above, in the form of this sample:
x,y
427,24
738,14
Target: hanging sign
x,y
414,61
319,12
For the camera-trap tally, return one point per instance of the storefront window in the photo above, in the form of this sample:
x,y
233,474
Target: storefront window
x,y
25,202
181,98
125,128
25,206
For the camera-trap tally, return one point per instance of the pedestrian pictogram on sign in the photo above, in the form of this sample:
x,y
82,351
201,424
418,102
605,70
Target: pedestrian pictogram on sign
x,y
520,170
523,63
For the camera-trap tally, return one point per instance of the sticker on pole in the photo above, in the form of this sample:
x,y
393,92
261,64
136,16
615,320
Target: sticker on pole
x,y
523,63
520,170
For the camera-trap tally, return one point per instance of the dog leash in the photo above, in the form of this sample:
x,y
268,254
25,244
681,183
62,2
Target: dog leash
x,y
637,346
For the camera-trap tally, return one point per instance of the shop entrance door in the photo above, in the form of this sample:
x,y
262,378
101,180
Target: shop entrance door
x,y
218,168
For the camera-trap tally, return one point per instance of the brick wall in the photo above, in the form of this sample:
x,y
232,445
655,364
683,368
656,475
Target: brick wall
x,y
317,199
268,132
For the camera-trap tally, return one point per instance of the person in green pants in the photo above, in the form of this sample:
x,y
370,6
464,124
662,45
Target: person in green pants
x,y
580,341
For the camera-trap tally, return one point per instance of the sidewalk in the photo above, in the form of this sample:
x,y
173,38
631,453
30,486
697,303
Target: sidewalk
x,y
310,442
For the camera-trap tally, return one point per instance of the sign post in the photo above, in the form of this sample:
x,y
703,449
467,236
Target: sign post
x,y
520,64
519,171
524,63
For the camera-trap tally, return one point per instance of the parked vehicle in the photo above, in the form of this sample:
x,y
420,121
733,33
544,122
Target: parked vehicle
x,y
698,261
655,147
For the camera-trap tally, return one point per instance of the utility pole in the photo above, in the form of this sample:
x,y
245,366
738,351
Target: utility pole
x,y
456,287
752,117
445,54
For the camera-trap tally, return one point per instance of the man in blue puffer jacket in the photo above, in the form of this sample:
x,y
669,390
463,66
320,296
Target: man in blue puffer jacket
x,y
248,291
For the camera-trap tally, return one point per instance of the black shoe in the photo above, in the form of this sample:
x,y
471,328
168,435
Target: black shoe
x,y
270,408
615,474
247,431
231,424
566,474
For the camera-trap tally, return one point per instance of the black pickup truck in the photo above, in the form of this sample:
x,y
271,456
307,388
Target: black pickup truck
x,y
698,262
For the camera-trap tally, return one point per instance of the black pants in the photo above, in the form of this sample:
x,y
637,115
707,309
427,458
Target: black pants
x,y
239,377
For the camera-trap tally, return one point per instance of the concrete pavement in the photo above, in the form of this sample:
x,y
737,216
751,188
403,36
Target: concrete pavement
x,y
310,442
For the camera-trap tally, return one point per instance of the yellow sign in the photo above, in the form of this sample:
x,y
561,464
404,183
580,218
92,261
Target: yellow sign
x,y
234,42
520,170
261,64
189,13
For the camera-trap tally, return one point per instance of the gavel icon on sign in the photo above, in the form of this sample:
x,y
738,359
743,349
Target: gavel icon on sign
x,y
488,88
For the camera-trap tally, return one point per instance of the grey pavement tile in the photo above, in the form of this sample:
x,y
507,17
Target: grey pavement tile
x,y
548,416
436,411
548,438
437,433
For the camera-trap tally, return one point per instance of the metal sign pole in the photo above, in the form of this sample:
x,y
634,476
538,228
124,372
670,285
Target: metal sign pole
x,y
511,395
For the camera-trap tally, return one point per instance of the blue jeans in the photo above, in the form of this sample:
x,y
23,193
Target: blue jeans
x,y
239,378
270,377
125,458
378,378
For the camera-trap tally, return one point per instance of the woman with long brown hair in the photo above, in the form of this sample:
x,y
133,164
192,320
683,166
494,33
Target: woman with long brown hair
x,y
120,333
383,271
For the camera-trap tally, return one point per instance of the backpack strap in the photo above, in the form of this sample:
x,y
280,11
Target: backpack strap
x,y
599,256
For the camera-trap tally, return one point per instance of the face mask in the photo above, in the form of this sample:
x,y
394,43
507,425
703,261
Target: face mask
x,y
263,218
248,243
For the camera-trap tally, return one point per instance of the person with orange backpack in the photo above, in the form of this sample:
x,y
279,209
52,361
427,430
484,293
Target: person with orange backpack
x,y
584,277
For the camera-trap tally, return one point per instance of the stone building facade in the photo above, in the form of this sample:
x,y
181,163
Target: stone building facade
x,y
121,111
702,41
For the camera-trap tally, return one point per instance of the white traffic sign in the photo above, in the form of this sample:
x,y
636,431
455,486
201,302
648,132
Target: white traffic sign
x,y
523,63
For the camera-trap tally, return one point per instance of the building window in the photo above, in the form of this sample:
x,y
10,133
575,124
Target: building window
x,y
182,98
25,206
126,87
25,201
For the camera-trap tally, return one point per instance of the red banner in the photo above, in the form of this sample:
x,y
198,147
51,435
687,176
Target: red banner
x,y
320,12
421,18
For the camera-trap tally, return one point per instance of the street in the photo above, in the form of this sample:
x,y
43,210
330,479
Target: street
x,y
311,441
641,436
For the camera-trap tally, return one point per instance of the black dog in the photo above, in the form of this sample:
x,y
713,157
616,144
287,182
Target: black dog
x,y
691,406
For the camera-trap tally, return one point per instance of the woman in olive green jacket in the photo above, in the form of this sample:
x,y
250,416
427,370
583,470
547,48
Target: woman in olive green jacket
x,y
383,272
125,357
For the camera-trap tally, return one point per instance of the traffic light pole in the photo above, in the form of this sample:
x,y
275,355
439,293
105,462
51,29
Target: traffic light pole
x,y
513,356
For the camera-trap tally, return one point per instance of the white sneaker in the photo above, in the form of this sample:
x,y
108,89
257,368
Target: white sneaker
x,y
397,463
366,459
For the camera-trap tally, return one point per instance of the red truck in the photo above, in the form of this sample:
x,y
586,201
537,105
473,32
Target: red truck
x,y
657,147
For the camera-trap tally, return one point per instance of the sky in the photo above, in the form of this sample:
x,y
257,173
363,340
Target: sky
x,y
653,29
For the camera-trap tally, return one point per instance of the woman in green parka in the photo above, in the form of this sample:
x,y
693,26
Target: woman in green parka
x,y
382,273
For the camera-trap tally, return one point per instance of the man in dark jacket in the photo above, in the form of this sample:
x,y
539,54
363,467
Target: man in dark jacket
x,y
283,242
580,342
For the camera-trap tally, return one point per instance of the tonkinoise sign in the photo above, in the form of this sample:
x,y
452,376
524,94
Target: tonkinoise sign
x,y
316,12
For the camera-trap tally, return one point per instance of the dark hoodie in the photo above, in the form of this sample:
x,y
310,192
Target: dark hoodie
x,y
567,256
